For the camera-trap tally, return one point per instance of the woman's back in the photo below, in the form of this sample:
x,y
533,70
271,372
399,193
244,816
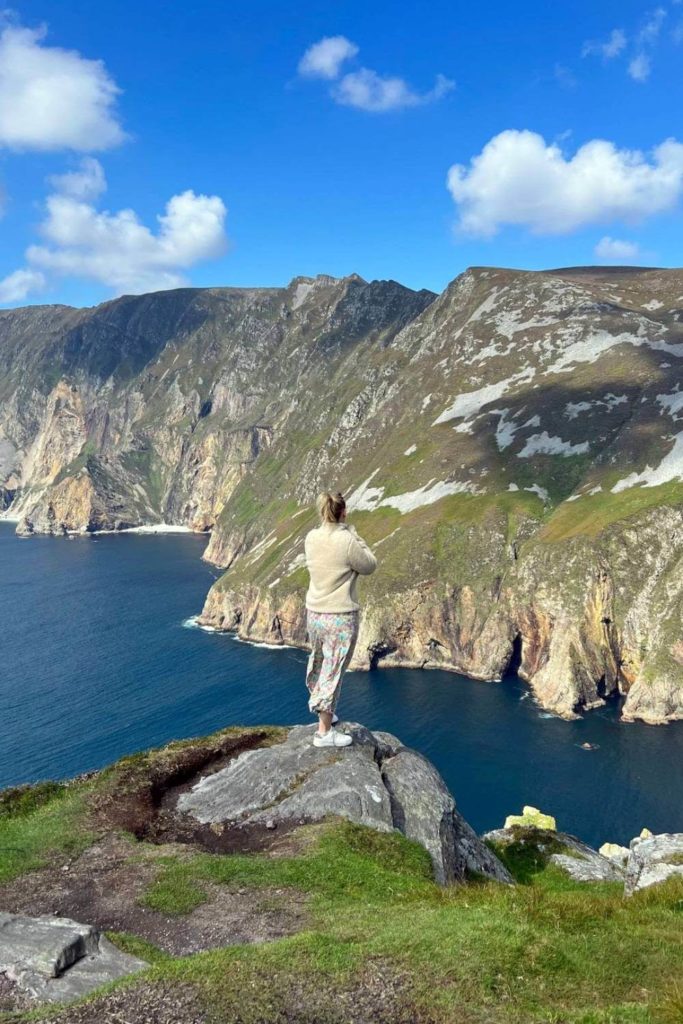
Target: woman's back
x,y
335,557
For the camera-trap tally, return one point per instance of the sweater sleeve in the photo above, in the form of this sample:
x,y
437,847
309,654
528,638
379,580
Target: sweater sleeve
x,y
361,558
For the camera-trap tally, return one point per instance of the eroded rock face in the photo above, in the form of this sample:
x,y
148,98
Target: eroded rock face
x,y
55,959
375,782
510,448
653,860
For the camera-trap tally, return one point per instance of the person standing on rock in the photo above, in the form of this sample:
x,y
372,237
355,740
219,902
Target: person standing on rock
x,y
335,557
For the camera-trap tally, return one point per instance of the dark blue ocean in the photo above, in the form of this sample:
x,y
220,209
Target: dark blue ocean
x,y
96,662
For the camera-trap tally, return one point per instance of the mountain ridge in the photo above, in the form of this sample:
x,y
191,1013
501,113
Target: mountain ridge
x,y
507,435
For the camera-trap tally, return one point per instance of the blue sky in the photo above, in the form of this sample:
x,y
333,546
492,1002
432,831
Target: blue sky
x,y
564,119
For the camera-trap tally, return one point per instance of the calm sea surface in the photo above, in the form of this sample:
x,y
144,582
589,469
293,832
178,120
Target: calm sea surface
x,y
96,661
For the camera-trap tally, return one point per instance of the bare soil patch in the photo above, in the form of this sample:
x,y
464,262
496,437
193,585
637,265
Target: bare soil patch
x,y
104,885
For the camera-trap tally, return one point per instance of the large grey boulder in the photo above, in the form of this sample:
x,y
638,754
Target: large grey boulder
x,y
55,959
424,810
578,860
376,782
653,859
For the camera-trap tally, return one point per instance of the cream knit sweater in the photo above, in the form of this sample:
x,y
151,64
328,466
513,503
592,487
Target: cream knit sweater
x,y
335,556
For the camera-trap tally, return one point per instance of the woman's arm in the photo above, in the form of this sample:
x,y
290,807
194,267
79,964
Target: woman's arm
x,y
361,558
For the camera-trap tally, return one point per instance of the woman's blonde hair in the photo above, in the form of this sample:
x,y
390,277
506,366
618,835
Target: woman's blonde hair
x,y
331,507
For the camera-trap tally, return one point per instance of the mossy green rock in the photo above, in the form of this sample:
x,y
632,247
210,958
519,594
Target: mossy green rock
x,y
531,817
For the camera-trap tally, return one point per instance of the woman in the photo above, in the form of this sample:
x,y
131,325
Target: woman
x,y
335,557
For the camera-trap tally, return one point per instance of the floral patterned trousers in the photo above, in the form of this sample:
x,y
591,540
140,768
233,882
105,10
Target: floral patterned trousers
x,y
333,638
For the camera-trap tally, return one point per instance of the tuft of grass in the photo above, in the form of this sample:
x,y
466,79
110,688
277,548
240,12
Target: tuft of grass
x,y
174,891
34,830
141,948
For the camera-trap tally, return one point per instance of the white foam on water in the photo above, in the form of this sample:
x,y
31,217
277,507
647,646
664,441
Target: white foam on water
x,y
154,528
259,643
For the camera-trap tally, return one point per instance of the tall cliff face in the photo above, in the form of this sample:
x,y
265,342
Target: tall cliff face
x,y
511,449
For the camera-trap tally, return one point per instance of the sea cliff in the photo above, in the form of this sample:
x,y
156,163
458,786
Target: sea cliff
x,y
510,448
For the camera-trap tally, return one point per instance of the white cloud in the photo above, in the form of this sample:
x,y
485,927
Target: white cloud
x,y
86,183
617,249
367,90
649,33
325,58
52,98
639,68
518,179
364,89
16,286
608,49
116,249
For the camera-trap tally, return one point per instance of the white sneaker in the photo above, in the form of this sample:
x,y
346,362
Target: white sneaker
x,y
332,738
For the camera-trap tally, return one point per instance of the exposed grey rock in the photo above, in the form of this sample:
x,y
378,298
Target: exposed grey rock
x,y
653,860
424,810
55,959
580,861
376,782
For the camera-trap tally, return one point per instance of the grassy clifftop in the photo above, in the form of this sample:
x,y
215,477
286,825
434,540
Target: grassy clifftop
x,y
365,935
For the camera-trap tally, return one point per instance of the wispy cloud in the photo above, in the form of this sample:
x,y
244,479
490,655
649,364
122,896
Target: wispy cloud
x,y
638,47
325,58
364,88
519,179
609,48
639,67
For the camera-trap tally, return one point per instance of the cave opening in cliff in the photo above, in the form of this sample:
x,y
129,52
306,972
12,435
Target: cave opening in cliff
x,y
515,662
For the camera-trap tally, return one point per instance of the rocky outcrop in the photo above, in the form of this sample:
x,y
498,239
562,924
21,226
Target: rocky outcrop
x,y
572,856
376,782
510,448
57,960
653,859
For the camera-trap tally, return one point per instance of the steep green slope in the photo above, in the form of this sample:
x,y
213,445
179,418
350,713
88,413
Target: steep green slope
x,y
511,449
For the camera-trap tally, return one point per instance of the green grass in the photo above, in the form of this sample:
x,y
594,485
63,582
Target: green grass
x,y
36,828
138,947
546,951
591,515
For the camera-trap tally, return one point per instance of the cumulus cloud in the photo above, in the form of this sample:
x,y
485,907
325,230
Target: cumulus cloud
x,y
51,98
117,249
616,250
325,58
609,48
364,89
367,90
519,179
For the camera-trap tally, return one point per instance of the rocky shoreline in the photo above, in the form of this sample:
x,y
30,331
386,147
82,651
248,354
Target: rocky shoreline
x,y
511,449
